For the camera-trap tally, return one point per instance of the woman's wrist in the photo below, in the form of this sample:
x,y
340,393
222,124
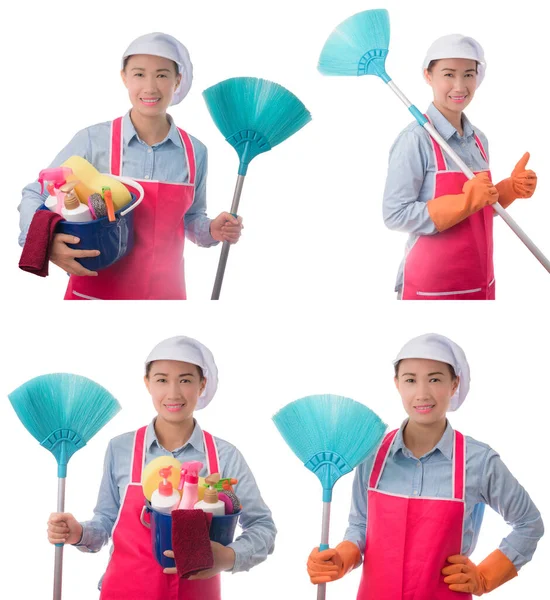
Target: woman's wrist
x,y
229,558
81,536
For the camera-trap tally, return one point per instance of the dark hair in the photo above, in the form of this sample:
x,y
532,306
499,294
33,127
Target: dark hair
x,y
451,369
148,370
434,62
125,62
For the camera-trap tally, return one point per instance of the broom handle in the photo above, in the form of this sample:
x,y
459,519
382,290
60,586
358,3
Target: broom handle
x,y
226,245
58,568
322,587
466,170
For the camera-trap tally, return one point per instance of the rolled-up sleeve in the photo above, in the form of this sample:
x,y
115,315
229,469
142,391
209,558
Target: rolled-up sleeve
x,y
504,494
357,526
197,223
32,198
257,539
97,531
407,167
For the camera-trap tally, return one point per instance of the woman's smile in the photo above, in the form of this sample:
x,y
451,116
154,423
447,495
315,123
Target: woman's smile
x,y
173,407
150,101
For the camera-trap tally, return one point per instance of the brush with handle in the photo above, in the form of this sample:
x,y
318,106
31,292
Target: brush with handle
x,y
62,412
331,435
254,115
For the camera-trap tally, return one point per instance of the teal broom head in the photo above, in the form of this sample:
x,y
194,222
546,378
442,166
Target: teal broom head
x,y
254,115
63,411
358,46
330,434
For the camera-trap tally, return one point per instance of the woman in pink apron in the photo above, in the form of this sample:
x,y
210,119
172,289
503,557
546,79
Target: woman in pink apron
x,y
418,501
181,376
169,164
449,254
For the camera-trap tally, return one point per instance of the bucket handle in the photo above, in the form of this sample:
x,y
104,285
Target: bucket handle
x,y
132,183
142,518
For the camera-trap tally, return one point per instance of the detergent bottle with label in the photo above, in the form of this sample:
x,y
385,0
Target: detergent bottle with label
x,y
211,502
189,484
74,210
165,499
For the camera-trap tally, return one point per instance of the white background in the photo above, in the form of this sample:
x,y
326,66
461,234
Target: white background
x,y
308,304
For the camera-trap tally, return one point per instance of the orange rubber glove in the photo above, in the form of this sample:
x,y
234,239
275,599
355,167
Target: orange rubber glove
x,y
521,184
464,576
334,563
449,210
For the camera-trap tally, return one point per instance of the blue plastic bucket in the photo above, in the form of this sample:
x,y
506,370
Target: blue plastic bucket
x,y
114,239
222,530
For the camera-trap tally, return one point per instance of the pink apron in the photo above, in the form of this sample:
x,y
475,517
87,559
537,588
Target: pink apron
x,y
456,264
410,538
133,573
154,268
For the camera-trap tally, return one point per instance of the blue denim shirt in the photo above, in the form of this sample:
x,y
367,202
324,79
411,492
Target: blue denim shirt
x,y
488,481
258,529
164,161
411,175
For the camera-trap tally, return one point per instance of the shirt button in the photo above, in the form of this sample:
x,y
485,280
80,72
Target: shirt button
x,y
146,176
418,465
150,150
415,492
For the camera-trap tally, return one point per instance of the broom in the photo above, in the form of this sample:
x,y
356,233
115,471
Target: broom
x,y
62,412
359,46
331,435
254,115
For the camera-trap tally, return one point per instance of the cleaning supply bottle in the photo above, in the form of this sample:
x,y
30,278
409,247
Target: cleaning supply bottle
x,y
166,498
57,177
189,484
74,210
211,502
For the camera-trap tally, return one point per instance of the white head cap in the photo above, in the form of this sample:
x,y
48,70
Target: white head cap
x,y
433,346
457,46
162,44
186,349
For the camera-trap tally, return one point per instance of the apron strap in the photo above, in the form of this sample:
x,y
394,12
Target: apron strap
x,y
459,466
117,146
481,148
381,457
115,149
138,455
211,451
190,157
459,463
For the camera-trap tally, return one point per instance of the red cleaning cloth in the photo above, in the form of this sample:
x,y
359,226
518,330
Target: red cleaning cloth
x,y
36,252
191,541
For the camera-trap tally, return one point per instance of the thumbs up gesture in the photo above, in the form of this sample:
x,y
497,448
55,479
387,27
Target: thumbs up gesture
x,y
524,181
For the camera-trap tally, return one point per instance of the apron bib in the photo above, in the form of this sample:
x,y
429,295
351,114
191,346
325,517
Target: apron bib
x,y
132,572
410,538
456,264
154,269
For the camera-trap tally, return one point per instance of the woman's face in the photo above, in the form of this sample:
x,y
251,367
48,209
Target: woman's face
x,y
426,388
151,82
175,388
453,81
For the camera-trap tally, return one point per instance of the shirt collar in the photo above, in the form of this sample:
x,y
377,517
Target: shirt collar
x,y
445,128
445,444
196,440
129,132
